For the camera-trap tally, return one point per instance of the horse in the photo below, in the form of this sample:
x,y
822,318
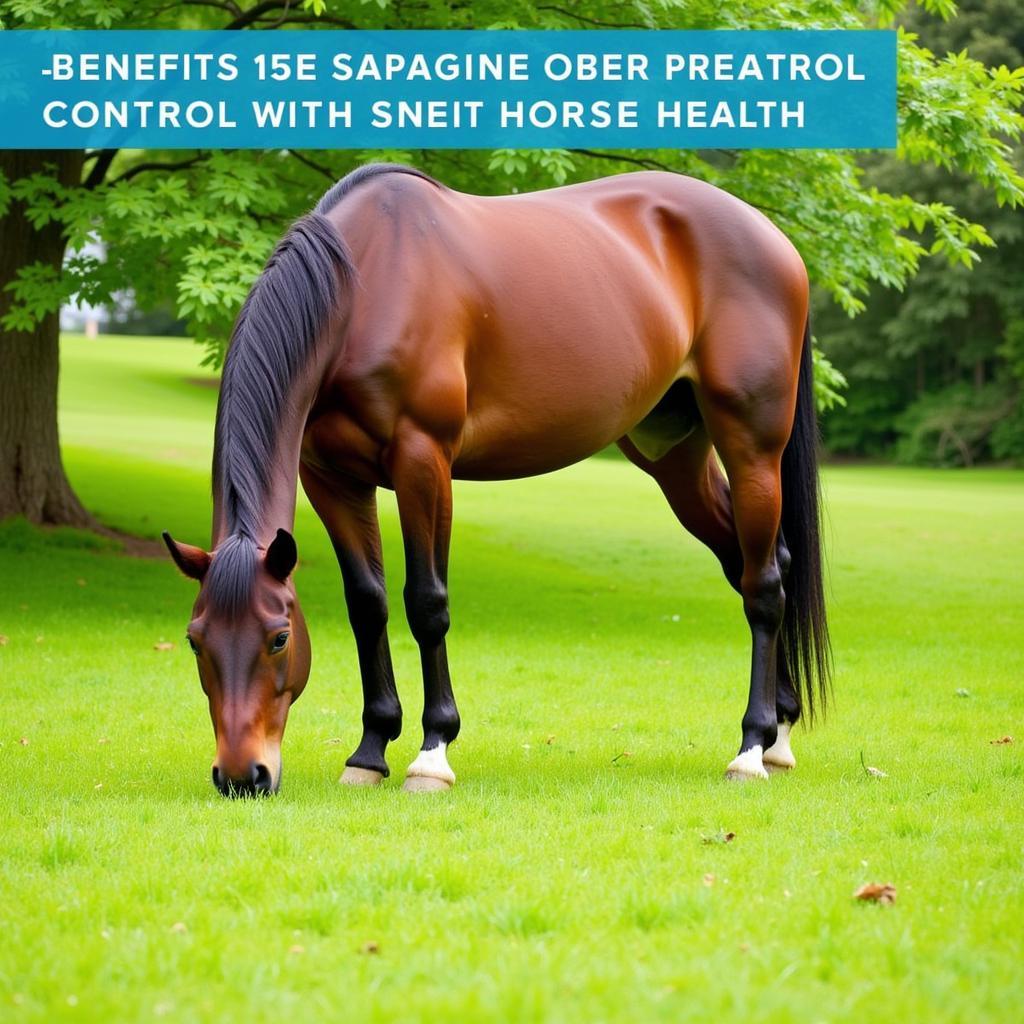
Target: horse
x,y
403,334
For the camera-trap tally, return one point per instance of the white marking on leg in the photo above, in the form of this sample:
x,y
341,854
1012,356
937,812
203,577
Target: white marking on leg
x,y
747,765
780,753
432,764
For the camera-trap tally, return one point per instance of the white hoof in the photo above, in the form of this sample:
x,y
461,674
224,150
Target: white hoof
x,y
747,765
353,776
430,772
425,784
779,756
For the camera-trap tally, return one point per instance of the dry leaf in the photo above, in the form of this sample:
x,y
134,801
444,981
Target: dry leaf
x,y
877,892
370,948
23,741
4,640
39,639
720,837
876,772
550,739
296,949
103,739
179,928
163,645
708,879
1001,741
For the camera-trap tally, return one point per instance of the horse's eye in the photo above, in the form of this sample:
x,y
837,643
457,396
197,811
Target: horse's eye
x,y
192,644
279,643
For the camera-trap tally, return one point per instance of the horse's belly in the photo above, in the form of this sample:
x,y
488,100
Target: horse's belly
x,y
547,413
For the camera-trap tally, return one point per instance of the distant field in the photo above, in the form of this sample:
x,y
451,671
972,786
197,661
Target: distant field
x,y
577,872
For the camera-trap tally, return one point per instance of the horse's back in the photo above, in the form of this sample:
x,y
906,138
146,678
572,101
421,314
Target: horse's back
x,y
534,329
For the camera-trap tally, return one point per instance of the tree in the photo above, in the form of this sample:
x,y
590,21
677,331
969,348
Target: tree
x,y
196,226
936,370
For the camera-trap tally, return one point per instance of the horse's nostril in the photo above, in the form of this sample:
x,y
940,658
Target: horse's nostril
x,y
261,777
216,778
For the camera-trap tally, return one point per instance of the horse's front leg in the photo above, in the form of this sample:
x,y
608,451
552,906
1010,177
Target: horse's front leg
x,y
421,473
348,509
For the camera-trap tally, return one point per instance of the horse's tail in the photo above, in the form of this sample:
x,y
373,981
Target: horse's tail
x,y
804,648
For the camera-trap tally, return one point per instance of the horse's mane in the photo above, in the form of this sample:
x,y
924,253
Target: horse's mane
x,y
274,336
340,189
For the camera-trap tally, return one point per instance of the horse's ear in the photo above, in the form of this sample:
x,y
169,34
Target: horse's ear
x,y
281,556
192,561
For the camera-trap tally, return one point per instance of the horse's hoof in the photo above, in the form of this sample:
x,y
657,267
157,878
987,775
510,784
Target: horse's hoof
x,y
425,784
353,776
430,772
747,765
779,756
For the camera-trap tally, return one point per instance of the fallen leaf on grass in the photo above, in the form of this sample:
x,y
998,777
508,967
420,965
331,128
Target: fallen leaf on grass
x,y
877,892
708,879
23,741
370,948
550,739
163,645
718,838
296,949
4,640
179,928
1001,741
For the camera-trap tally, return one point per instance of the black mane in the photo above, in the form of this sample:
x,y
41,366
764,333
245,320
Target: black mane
x,y
276,332
338,191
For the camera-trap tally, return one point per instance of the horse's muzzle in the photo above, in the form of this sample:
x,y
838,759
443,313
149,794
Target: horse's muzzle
x,y
257,782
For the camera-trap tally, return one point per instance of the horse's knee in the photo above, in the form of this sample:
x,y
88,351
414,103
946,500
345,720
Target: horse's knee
x,y
367,603
427,610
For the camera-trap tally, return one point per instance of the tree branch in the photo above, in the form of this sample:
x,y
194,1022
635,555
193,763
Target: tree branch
x,y
307,19
104,158
589,21
645,162
177,165
313,165
247,17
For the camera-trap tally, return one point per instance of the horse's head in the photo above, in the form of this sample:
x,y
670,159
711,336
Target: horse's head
x,y
252,650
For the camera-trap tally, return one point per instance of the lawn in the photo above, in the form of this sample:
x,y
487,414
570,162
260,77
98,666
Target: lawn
x,y
578,871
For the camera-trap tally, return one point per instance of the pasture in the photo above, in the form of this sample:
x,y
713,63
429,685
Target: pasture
x,y
580,869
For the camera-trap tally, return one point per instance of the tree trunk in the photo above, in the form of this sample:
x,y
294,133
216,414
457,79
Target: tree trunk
x,y
33,483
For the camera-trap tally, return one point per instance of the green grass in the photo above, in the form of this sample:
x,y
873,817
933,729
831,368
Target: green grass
x,y
559,880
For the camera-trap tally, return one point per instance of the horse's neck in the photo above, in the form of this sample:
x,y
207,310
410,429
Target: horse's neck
x,y
277,509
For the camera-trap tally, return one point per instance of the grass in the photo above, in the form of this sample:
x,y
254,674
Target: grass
x,y
561,880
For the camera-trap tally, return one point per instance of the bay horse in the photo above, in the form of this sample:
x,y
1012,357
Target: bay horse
x,y
403,334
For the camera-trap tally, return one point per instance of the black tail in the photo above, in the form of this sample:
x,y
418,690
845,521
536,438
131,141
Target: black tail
x,y
804,650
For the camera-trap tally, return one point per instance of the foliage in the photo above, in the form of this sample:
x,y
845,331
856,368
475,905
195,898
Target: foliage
x,y
197,226
952,336
550,884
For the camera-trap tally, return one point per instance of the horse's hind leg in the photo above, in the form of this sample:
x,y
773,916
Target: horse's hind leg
x,y
748,365
779,756
421,474
698,493
348,509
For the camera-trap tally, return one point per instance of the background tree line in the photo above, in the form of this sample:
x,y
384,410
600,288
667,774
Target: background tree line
x,y
191,229
936,370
